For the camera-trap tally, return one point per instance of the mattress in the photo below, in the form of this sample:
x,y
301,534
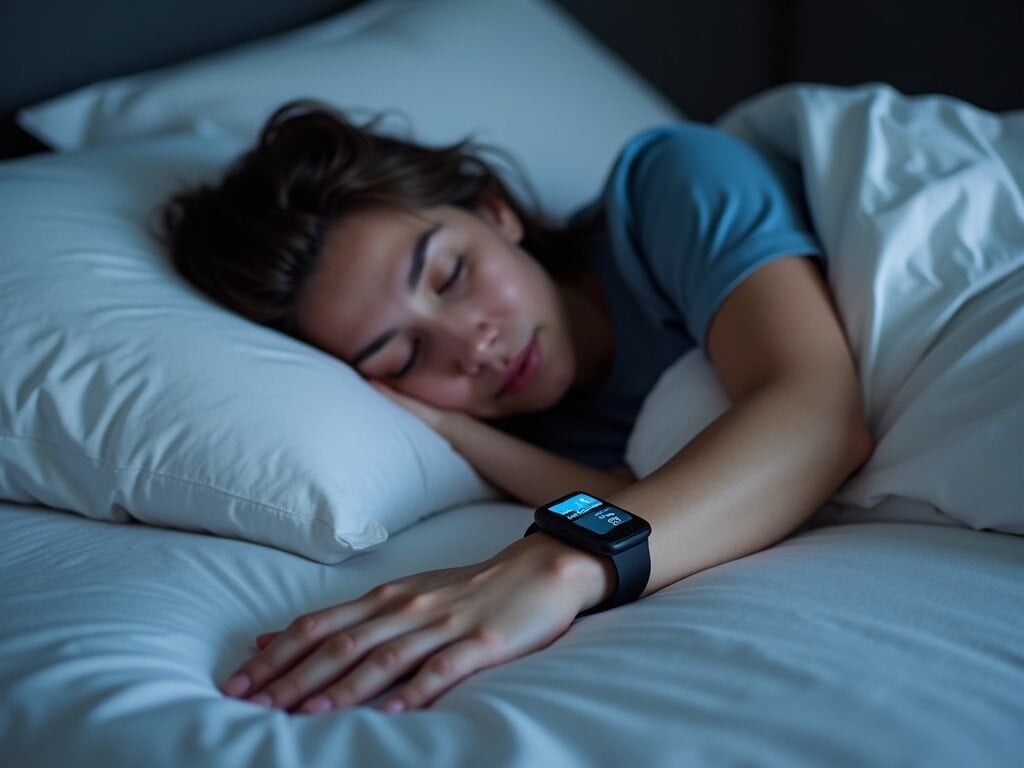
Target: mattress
x,y
857,644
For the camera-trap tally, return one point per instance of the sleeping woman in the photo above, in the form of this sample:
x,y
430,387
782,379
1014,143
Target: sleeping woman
x,y
530,348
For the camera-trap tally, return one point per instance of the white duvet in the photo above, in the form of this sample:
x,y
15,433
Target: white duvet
x,y
919,203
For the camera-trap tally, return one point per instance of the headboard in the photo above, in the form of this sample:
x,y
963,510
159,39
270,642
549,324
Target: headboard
x,y
705,55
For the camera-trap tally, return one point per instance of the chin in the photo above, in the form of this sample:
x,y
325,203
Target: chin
x,y
561,383
541,401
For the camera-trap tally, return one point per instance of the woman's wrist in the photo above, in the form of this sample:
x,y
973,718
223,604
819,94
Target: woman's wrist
x,y
448,424
586,578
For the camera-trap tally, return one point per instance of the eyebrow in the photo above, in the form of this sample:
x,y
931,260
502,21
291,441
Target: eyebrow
x,y
416,264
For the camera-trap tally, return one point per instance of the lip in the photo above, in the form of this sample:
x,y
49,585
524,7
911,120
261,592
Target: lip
x,y
523,369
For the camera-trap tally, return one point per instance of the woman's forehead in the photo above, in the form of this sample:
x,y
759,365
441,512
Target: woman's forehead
x,y
362,268
371,229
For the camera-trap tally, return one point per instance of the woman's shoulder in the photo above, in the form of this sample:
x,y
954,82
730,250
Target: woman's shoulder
x,y
677,137
672,151
693,168
689,150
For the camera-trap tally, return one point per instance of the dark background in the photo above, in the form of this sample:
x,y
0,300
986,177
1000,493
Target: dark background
x,y
705,55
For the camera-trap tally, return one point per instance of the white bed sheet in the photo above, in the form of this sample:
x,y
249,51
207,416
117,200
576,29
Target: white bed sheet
x,y
866,644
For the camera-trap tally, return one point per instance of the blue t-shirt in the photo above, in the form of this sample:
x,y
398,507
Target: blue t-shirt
x,y
690,212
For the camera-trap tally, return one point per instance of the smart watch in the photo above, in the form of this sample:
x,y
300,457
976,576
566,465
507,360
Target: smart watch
x,y
597,526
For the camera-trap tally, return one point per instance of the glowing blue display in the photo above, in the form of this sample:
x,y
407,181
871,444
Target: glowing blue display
x,y
590,513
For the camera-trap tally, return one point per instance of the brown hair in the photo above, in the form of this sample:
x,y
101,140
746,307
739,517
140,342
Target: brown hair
x,y
251,241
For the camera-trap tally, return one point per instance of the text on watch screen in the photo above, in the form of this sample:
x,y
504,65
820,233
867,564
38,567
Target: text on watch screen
x,y
590,513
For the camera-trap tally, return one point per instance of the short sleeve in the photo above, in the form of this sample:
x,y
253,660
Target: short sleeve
x,y
692,212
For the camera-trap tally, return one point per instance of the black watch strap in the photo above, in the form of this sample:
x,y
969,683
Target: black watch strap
x,y
633,567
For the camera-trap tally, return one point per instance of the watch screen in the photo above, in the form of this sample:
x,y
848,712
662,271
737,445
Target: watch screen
x,y
590,513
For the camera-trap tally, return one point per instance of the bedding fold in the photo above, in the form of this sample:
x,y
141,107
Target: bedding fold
x,y
919,204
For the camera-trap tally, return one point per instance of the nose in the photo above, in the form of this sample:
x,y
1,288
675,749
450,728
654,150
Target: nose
x,y
478,348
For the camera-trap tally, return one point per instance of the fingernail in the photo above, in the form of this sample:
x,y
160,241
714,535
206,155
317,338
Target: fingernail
x,y
394,706
237,685
317,705
262,699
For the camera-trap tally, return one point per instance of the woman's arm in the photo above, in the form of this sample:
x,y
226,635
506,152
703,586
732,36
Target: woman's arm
x,y
520,468
794,433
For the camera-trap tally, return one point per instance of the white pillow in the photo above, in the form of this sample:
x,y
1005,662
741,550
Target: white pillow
x,y
496,68
685,399
126,395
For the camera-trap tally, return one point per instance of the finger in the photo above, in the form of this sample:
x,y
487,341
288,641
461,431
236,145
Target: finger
x,y
380,668
292,645
262,641
446,668
393,397
396,397
334,657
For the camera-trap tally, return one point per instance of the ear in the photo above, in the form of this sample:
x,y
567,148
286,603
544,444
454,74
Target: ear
x,y
499,213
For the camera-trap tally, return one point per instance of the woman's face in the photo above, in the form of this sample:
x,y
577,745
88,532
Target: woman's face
x,y
442,305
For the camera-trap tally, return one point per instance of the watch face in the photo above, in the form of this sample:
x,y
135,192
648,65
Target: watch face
x,y
592,523
590,513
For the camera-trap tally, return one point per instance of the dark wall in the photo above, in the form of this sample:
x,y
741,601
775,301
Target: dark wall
x,y
707,54
105,38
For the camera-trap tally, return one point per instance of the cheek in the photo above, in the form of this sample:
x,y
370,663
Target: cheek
x,y
449,393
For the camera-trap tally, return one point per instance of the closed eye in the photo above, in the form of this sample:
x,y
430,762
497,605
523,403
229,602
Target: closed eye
x,y
454,276
413,355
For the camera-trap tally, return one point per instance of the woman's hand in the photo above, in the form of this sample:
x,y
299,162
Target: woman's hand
x,y
437,627
428,413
